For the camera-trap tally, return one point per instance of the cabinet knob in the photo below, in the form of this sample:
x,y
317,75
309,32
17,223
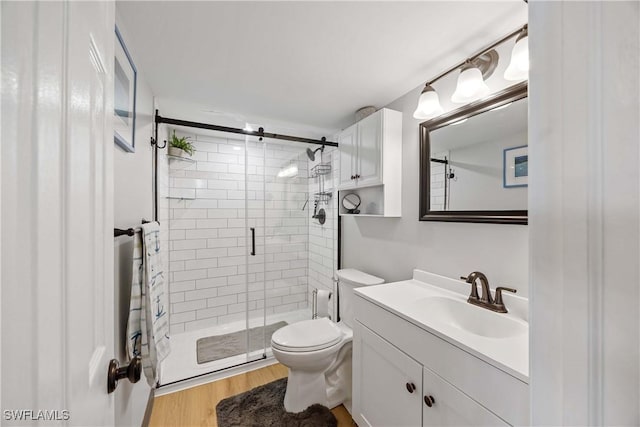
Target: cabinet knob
x,y
410,387
353,177
357,176
429,401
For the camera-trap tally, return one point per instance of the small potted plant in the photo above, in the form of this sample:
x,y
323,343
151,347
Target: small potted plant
x,y
180,147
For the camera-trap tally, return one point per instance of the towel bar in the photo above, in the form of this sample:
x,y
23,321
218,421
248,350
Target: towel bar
x,y
129,231
120,232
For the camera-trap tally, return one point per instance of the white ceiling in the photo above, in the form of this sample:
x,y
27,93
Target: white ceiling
x,y
311,63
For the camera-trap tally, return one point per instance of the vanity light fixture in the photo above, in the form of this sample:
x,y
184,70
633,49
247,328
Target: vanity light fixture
x,y
471,85
473,73
518,68
428,104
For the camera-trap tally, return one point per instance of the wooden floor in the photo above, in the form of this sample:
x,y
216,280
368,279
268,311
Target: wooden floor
x,y
197,406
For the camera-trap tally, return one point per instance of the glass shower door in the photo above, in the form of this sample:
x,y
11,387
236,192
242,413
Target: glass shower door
x,y
288,208
254,297
216,284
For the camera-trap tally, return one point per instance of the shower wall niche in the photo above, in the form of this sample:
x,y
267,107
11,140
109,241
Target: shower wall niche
x,y
214,199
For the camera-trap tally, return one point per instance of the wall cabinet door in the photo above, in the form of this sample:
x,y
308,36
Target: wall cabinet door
x,y
348,153
451,407
387,383
369,159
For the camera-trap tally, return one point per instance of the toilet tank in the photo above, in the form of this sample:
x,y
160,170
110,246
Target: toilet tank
x,y
348,280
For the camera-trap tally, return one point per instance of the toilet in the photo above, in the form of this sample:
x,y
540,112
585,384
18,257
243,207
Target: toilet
x,y
318,352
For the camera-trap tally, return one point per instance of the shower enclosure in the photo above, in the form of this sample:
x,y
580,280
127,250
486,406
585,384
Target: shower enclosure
x,y
244,251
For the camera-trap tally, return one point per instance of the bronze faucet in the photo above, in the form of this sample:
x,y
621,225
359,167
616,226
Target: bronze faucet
x,y
485,301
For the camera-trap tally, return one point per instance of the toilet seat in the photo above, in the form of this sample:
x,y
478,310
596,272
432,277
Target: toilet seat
x,y
306,336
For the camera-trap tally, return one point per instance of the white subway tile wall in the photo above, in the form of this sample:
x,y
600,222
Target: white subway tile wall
x,y
323,238
209,239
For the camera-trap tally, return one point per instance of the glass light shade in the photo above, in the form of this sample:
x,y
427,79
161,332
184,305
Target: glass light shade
x,y
428,104
471,86
518,68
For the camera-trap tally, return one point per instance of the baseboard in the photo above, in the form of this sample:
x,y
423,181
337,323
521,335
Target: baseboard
x,y
147,412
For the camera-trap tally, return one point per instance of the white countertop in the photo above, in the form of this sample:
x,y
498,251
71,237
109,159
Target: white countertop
x,y
510,354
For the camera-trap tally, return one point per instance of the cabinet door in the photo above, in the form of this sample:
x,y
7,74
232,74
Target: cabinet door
x,y
451,407
347,146
369,159
387,383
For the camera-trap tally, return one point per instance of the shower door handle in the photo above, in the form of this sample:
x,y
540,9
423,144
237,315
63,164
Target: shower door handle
x,y
253,241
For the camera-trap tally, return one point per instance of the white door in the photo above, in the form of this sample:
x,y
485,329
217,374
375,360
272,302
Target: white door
x,y
347,146
387,384
445,405
369,159
57,211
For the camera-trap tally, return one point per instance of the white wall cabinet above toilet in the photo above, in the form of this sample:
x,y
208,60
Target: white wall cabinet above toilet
x,y
371,156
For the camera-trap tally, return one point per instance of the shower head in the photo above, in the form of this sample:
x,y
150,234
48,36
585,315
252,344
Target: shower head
x,y
312,153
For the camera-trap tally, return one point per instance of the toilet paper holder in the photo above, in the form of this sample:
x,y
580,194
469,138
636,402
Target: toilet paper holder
x,y
314,302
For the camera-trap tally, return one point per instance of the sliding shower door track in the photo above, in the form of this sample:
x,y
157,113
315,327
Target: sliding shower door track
x,y
216,371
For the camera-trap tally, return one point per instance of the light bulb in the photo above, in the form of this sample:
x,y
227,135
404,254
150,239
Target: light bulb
x,y
471,85
428,104
518,68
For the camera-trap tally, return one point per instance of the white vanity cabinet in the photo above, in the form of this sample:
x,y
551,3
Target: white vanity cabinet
x,y
392,389
389,352
389,384
451,407
371,159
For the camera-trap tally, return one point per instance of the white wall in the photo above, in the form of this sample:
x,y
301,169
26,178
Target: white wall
x,y
478,182
585,213
391,248
133,200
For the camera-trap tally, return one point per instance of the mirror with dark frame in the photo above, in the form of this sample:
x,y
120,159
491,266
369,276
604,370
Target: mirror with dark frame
x,y
474,161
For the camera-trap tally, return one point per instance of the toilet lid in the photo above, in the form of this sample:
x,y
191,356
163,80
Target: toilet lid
x,y
307,335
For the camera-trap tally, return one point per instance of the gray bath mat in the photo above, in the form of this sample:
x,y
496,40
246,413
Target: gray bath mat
x,y
221,346
264,406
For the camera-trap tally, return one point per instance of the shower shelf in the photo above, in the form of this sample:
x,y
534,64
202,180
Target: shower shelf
x,y
177,162
323,197
320,169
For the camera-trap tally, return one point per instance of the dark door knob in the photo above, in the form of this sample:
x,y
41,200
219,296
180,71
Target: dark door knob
x,y
132,371
410,387
429,401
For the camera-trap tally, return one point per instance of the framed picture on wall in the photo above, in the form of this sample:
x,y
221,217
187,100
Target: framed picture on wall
x,y
124,100
515,167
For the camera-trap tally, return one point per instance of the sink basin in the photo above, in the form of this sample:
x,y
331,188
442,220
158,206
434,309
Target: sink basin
x,y
466,317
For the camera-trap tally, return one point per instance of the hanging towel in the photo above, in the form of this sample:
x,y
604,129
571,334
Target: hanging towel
x,y
148,325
